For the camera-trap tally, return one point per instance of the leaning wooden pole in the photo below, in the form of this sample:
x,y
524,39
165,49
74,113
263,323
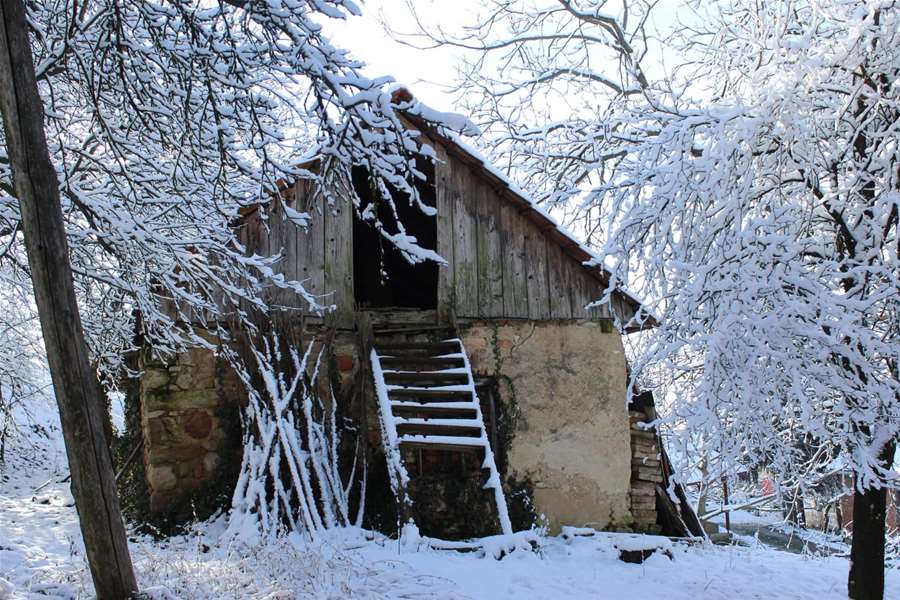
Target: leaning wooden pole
x,y
80,408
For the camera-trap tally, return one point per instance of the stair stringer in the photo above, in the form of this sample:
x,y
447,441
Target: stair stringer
x,y
396,469
494,481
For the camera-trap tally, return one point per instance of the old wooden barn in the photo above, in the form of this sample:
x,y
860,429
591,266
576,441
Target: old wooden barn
x,y
500,393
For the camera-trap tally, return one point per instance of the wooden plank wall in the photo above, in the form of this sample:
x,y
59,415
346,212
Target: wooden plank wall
x,y
501,265
489,251
445,242
320,256
310,267
339,262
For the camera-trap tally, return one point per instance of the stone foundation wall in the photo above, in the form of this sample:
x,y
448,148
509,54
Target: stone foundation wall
x,y
190,416
562,388
646,474
189,413
563,385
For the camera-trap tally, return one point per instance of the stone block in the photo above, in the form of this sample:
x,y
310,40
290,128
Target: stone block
x,y
161,500
189,470
161,477
648,474
188,399
643,502
155,378
644,448
344,362
177,435
161,431
211,462
644,515
199,377
197,423
641,488
175,454
155,401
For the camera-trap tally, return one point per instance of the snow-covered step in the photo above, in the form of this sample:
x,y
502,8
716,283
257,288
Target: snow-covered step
x,y
425,378
422,363
439,421
434,406
454,410
426,428
443,442
429,395
418,371
456,387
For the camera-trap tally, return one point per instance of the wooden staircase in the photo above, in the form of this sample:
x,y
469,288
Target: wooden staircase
x,y
427,400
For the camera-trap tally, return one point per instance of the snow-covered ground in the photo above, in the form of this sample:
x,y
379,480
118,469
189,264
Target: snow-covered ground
x,y
41,556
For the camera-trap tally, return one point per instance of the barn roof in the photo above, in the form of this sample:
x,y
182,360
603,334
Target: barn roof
x,y
511,193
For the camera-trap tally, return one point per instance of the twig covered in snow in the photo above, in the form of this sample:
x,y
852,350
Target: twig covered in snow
x,y
24,381
750,197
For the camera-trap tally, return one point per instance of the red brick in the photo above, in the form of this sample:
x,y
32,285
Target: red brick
x,y
197,423
344,362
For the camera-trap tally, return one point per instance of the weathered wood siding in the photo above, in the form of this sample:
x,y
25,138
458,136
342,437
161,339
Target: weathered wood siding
x,y
501,264
320,256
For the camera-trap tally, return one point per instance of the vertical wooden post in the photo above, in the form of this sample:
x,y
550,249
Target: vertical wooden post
x,y
80,408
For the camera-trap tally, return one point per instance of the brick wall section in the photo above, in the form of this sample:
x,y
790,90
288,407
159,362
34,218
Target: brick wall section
x,y
190,414
646,474
184,416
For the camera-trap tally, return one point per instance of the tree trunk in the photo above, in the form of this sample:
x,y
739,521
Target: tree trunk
x,y
4,412
793,511
80,408
866,581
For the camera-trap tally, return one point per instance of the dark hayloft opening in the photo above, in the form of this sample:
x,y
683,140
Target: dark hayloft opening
x,y
382,277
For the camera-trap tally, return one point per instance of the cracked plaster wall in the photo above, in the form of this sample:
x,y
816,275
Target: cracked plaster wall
x,y
565,385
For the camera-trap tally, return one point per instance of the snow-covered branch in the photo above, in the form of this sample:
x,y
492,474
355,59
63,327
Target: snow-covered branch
x,y
536,75
750,196
165,118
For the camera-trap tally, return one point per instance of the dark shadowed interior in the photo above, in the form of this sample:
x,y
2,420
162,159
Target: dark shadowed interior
x,y
382,276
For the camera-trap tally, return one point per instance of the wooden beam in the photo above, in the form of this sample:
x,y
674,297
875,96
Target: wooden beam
x,y
80,407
